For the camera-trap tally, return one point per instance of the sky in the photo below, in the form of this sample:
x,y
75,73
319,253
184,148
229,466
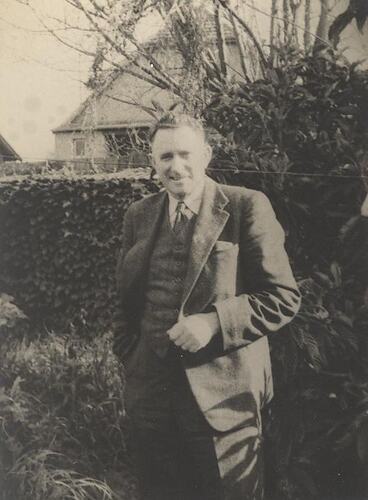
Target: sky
x,y
41,80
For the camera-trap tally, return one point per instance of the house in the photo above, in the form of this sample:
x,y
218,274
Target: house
x,y
7,153
111,126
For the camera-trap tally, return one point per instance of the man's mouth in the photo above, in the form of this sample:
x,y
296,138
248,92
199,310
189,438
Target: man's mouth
x,y
176,179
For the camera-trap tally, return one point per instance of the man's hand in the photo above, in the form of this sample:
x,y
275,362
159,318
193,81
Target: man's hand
x,y
194,332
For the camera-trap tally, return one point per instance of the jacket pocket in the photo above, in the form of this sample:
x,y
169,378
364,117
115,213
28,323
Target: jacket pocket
x,y
221,246
232,388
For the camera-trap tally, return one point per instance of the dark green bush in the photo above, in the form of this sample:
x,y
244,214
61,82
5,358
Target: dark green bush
x,y
300,136
59,243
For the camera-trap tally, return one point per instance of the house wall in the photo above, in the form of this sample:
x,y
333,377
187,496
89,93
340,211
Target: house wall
x,y
94,145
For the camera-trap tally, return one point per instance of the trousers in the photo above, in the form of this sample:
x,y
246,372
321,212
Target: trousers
x,y
176,453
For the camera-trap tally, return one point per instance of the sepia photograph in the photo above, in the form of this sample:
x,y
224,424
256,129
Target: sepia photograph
x,y
184,250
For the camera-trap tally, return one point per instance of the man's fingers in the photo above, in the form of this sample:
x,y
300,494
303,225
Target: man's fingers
x,y
189,346
183,339
175,332
180,341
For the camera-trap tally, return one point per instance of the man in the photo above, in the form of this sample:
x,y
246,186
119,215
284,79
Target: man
x,y
203,277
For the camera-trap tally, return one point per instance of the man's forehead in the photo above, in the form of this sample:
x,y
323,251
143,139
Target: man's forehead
x,y
183,137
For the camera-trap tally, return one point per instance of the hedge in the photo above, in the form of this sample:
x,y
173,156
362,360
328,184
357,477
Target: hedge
x,y
59,244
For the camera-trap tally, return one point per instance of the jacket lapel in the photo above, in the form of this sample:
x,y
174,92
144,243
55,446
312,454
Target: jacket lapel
x,y
211,220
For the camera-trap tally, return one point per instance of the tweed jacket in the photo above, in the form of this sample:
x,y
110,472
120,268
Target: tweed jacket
x,y
238,267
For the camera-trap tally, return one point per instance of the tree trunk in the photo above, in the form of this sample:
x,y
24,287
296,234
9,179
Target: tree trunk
x,y
272,30
285,15
321,41
307,26
220,40
240,45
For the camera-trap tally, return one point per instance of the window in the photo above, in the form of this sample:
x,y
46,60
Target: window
x,y
129,144
79,147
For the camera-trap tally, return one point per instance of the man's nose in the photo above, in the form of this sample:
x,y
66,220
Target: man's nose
x,y
177,162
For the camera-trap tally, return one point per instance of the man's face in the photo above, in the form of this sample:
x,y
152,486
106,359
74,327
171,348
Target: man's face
x,y
180,157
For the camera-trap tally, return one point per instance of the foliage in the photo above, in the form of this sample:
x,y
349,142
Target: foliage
x,y
297,134
356,10
302,129
65,168
12,320
63,234
61,421
116,38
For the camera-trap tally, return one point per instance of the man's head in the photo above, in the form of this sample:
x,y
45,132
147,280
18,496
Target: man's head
x,y
180,153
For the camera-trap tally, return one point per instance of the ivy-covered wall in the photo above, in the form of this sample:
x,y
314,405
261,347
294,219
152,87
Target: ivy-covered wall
x,y
59,243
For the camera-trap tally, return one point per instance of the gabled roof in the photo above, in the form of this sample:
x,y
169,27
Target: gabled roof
x,y
7,153
125,100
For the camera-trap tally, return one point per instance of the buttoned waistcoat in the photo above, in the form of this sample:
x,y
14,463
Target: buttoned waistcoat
x,y
237,266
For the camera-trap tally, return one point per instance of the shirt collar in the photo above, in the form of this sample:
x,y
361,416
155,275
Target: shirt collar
x,y
193,201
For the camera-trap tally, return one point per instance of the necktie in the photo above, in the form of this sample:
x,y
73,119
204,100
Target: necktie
x,y
180,218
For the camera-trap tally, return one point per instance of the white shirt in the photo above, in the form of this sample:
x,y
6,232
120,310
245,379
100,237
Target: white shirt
x,y
192,204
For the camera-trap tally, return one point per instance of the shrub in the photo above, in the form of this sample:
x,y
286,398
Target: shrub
x,y
13,322
300,136
61,413
59,244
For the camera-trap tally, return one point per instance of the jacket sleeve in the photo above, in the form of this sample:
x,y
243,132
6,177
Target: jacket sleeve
x,y
272,298
121,337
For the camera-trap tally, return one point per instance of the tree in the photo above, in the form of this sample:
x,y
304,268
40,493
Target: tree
x,y
195,29
356,9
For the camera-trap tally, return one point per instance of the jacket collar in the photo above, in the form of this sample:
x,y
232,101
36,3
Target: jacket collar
x,y
210,222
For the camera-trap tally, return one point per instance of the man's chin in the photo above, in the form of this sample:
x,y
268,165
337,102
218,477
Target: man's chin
x,y
179,189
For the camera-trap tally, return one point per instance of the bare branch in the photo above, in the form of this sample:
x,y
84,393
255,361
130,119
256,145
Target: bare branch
x,y
67,25
272,29
61,40
307,20
322,28
285,15
240,47
220,39
150,111
75,4
160,79
248,31
316,37
28,30
152,61
99,8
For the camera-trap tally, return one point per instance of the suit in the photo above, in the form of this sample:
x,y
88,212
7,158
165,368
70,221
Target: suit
x,y
238,267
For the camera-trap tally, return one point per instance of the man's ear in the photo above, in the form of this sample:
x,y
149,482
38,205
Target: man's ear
x,y
151,158
364,208
208,153
153,174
